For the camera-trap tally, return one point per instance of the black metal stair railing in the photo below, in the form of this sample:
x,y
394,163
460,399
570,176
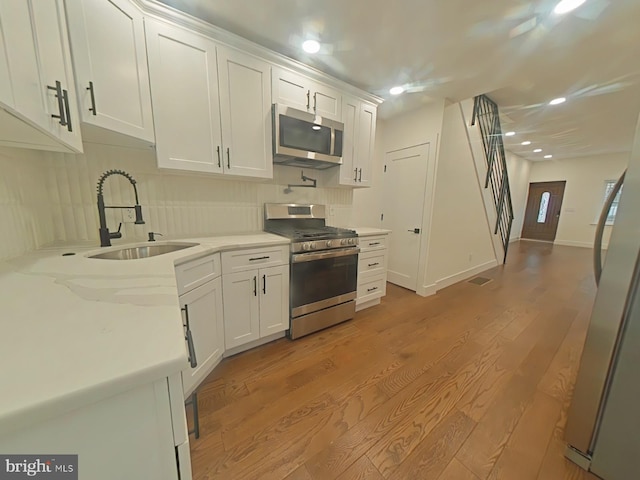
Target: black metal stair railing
x,y
485,112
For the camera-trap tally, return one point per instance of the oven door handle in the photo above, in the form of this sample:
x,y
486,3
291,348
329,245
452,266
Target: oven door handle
x,y
309,257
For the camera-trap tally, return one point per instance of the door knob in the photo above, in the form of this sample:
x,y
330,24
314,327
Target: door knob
x,y
415,230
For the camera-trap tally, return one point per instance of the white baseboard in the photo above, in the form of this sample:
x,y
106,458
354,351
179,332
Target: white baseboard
x,y
514,239
427,290
571,243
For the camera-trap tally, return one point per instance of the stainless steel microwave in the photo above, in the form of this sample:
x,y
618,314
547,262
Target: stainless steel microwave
x,y
304,139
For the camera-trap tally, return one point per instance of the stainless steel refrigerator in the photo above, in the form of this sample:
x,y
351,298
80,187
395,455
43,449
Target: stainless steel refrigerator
x,y
603,425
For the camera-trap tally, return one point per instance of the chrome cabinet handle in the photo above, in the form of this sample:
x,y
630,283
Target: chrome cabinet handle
x,y
372,289
308,99
255,286
355,175
93,99
259,258
315,101
189,338
373,264
374,243
65,97
61,109
264,284
218,150
228,158
360,177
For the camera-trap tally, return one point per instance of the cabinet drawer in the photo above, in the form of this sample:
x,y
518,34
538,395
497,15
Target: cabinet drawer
x,y
371,288
371,263
242,260
370,243
192,274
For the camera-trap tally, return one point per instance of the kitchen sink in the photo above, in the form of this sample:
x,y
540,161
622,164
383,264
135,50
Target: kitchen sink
x,y
143,251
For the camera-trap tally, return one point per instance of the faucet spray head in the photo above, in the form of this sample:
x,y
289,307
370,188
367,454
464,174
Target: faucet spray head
x,y
139,219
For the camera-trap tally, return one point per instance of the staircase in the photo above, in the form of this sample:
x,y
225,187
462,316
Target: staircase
x,y
485,113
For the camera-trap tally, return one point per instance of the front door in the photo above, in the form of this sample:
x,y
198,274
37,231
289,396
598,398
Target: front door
x,y
543,210
405,180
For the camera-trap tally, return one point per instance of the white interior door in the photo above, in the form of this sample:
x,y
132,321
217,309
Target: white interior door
x,y
404,184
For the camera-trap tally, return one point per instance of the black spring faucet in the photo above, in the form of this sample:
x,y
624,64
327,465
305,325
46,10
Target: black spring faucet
x,y
105,235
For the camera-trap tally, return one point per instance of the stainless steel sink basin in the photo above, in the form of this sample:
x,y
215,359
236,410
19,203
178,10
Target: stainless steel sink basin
x,y
143,251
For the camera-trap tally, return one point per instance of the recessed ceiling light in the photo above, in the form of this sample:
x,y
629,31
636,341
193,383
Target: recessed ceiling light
x,y
557,101
316,127
526,143
548,156
311,46
565,6
509,134
537,150
396,90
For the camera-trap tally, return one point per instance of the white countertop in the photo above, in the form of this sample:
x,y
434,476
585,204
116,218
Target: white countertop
x,y
76,330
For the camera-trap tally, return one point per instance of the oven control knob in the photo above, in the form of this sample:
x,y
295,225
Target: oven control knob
x,y
352,241
312,245
305,246
328,243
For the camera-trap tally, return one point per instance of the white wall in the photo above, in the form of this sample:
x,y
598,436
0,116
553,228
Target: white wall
x,y
48,197
460,238
25,216
519,170
583,195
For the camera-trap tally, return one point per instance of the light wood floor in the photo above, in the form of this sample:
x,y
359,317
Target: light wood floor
x,y
472,383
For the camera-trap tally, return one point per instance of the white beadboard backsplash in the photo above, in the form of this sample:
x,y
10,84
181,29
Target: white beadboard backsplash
x,y
25,220
48,197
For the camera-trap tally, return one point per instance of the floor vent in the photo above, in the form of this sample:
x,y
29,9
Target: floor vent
x,y
480,281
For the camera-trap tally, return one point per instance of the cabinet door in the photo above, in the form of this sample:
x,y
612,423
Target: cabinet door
x,y
109,53
245,107
54,58
350,117
184,92
291,89
325,101
204,305
240,299
274,300
22,63
366,142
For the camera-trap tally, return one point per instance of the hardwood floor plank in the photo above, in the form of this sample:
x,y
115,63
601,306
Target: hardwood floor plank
x,y
362,469
299,473
525,450
457,471
431,457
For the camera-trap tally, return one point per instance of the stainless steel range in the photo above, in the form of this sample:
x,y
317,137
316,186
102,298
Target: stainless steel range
x,y
324,266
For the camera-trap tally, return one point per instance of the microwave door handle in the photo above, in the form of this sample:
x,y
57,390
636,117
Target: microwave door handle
x,y
333,142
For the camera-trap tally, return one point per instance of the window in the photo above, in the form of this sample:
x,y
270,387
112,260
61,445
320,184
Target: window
x,y
544,205
609,184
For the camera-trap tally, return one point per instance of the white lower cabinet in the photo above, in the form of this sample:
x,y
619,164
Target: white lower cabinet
x,y
200,288
372,270
256,298
203,306
129,436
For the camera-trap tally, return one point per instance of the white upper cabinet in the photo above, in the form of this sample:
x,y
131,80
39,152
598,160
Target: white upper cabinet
x,y
211,104
184,89
6,90
39,71
245,110
110,60
359,119
305,94
365,138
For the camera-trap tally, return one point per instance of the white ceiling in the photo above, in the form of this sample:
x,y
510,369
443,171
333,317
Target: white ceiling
x,y
516,51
